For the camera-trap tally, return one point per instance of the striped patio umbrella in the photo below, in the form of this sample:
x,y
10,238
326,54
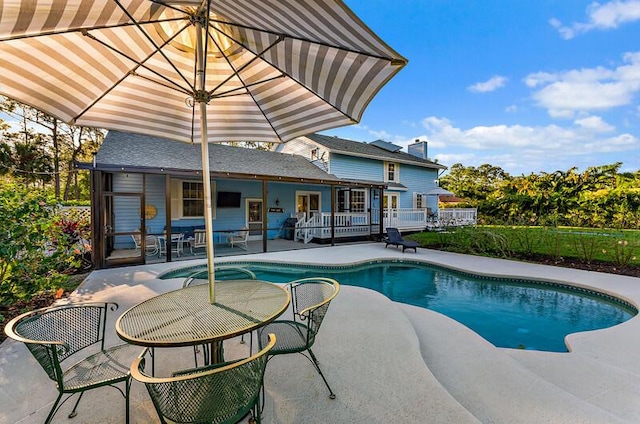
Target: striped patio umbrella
x,y
194,71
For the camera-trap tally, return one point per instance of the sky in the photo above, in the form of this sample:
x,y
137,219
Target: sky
x,y
529,86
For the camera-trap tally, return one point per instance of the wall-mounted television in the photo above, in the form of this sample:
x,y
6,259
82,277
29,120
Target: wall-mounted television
x,y
228,199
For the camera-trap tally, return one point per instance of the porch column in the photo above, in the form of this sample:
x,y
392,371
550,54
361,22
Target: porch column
x,y
265,224
333,215
381,188
97,232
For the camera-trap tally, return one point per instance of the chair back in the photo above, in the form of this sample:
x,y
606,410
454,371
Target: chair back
x,y
310,298
54,334
222,273
200,237
220,393
394,235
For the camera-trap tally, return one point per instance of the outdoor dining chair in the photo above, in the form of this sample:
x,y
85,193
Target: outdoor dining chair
x,y
152,244
240,239
224,273
55,334
220,393
310,298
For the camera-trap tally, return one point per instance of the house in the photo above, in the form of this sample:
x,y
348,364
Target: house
x,y
330,189
153,186
407,177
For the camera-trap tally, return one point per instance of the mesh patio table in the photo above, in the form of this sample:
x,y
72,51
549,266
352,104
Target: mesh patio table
x,y
184,317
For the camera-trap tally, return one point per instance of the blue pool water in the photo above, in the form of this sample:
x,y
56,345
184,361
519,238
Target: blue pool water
x,y
508,313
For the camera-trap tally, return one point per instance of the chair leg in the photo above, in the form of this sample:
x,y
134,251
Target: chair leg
x,y
126,398
74,412
53,409
317,365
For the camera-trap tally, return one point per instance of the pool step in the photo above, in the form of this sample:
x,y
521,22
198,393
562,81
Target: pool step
x,y
607,386
489,383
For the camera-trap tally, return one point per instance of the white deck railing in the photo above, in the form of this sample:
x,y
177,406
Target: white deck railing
x,y
355,224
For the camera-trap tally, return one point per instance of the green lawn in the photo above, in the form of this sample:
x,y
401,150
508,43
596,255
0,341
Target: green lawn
x,y
618,247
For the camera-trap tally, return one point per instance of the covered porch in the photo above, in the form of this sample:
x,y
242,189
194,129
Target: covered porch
x,y
363,224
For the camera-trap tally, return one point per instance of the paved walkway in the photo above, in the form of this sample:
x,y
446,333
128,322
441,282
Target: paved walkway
x,y
387,362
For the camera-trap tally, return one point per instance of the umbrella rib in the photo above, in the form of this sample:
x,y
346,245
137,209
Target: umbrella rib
x,y
158,49
141,64
244,87
393,61
281,37
236,72
93,28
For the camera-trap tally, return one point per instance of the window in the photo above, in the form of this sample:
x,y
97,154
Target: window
x,y
420,201
358,198
192,199
391,173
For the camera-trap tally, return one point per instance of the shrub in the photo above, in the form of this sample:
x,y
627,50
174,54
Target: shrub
x,y
30,260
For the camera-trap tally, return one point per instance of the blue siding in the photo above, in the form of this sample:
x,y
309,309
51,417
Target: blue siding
x,y
126,208
417,179
347,167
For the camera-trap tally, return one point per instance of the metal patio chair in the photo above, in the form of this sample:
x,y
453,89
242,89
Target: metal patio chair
x,y
222,272
56,334
220,393
310,298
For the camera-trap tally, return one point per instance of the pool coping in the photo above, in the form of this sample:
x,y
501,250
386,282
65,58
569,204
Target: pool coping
x,y
596,379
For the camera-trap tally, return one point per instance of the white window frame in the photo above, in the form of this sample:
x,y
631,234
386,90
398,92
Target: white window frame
x,y
420,198
177,198
396,172
364,200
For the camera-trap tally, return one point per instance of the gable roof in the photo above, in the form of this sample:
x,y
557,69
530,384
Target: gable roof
x,y
355,148
122,151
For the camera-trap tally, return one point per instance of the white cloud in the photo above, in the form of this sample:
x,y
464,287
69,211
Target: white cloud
x,y
605,16
519,148
595,124
511,109
491,84
588,89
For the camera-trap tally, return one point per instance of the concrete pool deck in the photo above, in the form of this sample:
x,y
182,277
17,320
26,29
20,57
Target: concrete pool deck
x,y
387,362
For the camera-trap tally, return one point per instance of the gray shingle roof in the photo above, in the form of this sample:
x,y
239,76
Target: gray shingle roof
x,y
356,148
121,149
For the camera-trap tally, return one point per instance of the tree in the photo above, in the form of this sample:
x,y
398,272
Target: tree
x,y
474,183
62,144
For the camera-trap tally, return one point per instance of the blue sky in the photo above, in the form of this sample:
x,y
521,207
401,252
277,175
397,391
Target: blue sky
x,y
529,86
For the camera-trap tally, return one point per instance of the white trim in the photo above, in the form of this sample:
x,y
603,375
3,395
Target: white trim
x,y
396,172
246,216
307,193
177,199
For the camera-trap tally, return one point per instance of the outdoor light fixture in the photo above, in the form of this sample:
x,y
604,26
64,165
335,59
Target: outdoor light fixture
x,y
277,202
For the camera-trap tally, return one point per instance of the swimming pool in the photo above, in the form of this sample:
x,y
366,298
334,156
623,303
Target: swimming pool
x,y
509,313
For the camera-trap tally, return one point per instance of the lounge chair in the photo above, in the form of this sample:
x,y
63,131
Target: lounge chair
x,y
395,239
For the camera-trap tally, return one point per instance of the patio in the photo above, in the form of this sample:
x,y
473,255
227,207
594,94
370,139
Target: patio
x,y
387,362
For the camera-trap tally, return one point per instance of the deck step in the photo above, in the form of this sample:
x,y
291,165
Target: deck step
x,y
606,386
489,383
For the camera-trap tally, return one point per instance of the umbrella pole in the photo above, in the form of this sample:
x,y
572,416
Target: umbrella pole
x,y
201,99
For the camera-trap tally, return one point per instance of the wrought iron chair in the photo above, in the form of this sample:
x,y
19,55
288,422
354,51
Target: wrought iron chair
x,y
310,298
54,334
219,393
222,272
